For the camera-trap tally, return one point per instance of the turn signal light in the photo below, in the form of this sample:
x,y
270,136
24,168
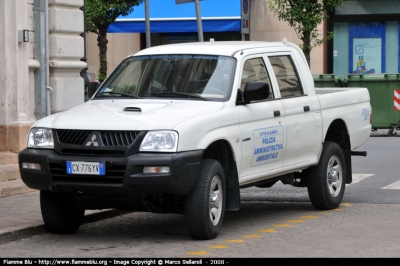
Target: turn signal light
x,y
156,170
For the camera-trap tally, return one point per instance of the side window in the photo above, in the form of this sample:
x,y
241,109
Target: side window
x,y
254,70
286,75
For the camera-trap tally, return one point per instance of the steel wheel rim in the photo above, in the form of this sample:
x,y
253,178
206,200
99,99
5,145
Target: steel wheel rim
x,y
215,200
334,175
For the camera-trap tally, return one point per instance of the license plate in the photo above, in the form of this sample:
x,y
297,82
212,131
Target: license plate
x,y
86,168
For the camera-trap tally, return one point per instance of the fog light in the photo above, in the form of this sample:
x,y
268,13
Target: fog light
x,y
34,166
156,170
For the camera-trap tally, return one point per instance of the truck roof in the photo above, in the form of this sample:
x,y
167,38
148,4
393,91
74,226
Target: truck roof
x,y
226,48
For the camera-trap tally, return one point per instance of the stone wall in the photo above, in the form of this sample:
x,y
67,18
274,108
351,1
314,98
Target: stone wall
x,y
66,48
18,65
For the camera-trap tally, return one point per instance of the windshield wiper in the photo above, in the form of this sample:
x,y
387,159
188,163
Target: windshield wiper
x,y
186,95
117,94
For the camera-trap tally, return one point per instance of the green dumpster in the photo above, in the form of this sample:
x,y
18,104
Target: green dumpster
x,y
324,81
381,88
328,81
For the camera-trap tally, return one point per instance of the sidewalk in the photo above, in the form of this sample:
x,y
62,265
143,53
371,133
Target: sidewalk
x,y
383,133
20,217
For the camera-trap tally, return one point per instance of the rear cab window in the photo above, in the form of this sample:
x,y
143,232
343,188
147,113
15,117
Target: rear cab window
x,y
286,76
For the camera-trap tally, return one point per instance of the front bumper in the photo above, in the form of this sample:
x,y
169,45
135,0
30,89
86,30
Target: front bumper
x,y
124,175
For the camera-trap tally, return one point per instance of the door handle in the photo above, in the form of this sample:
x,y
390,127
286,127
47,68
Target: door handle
x,y
277,113
306,108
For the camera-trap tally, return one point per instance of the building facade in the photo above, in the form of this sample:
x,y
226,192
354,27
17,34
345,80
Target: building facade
x,y
40,63
265,26
169,23
367,37
179,25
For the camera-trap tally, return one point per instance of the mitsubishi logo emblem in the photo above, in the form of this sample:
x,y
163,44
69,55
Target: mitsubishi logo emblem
x,y
90,142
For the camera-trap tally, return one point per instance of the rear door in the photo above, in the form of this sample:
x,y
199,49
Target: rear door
x,y
299,118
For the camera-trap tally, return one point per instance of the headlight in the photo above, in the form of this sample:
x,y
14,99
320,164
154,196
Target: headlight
x,y
160,141
41,138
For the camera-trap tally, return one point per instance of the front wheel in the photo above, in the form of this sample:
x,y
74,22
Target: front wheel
x,y
205,206
60,215
327,180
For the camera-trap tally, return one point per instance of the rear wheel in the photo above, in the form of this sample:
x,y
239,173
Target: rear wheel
x,y
60,215
205,206
327,180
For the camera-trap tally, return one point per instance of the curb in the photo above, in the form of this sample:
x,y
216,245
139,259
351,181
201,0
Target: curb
x,y
21,232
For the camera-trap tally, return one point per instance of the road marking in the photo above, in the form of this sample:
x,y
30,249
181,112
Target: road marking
x,y
309,217
282,225
235,241
200,252
359,177
218,246
251,236
270,230
395,185
295,221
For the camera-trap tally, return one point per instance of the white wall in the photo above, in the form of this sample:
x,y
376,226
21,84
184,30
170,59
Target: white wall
x,y
15,90
66,48
18,65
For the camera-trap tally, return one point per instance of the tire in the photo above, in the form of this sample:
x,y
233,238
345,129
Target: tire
x,y
205,205
392,131
60,215
327,180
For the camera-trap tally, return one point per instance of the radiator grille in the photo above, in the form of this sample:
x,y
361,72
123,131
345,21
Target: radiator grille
x,y
109,138
117,139
74,137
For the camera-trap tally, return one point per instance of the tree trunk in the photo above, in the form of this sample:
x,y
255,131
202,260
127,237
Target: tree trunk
x,y
308,57
307,46
102,43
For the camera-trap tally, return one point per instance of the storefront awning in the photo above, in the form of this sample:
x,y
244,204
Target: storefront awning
x,y
166,16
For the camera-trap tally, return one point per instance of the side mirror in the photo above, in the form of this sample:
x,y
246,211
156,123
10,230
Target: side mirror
x,y
255,91
92,88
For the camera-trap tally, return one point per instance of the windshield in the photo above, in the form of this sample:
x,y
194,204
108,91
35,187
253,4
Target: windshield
x,y
194,77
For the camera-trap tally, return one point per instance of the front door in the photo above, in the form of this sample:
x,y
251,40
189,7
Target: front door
x,y
261,124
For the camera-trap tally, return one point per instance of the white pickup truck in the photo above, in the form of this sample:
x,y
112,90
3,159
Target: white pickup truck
x,y
182,128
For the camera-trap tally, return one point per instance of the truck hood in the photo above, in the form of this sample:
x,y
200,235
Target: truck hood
x,y
121,114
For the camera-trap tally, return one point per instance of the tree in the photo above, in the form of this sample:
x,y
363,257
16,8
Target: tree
x,y
305,16
99,14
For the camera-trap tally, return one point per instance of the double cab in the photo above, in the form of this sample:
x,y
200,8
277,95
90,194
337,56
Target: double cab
x,y
182,128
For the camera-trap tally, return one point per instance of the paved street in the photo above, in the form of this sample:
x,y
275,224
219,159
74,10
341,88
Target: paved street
x,y
259,229
275,222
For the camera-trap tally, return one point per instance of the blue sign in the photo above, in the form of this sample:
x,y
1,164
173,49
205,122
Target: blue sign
x,y
245,6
